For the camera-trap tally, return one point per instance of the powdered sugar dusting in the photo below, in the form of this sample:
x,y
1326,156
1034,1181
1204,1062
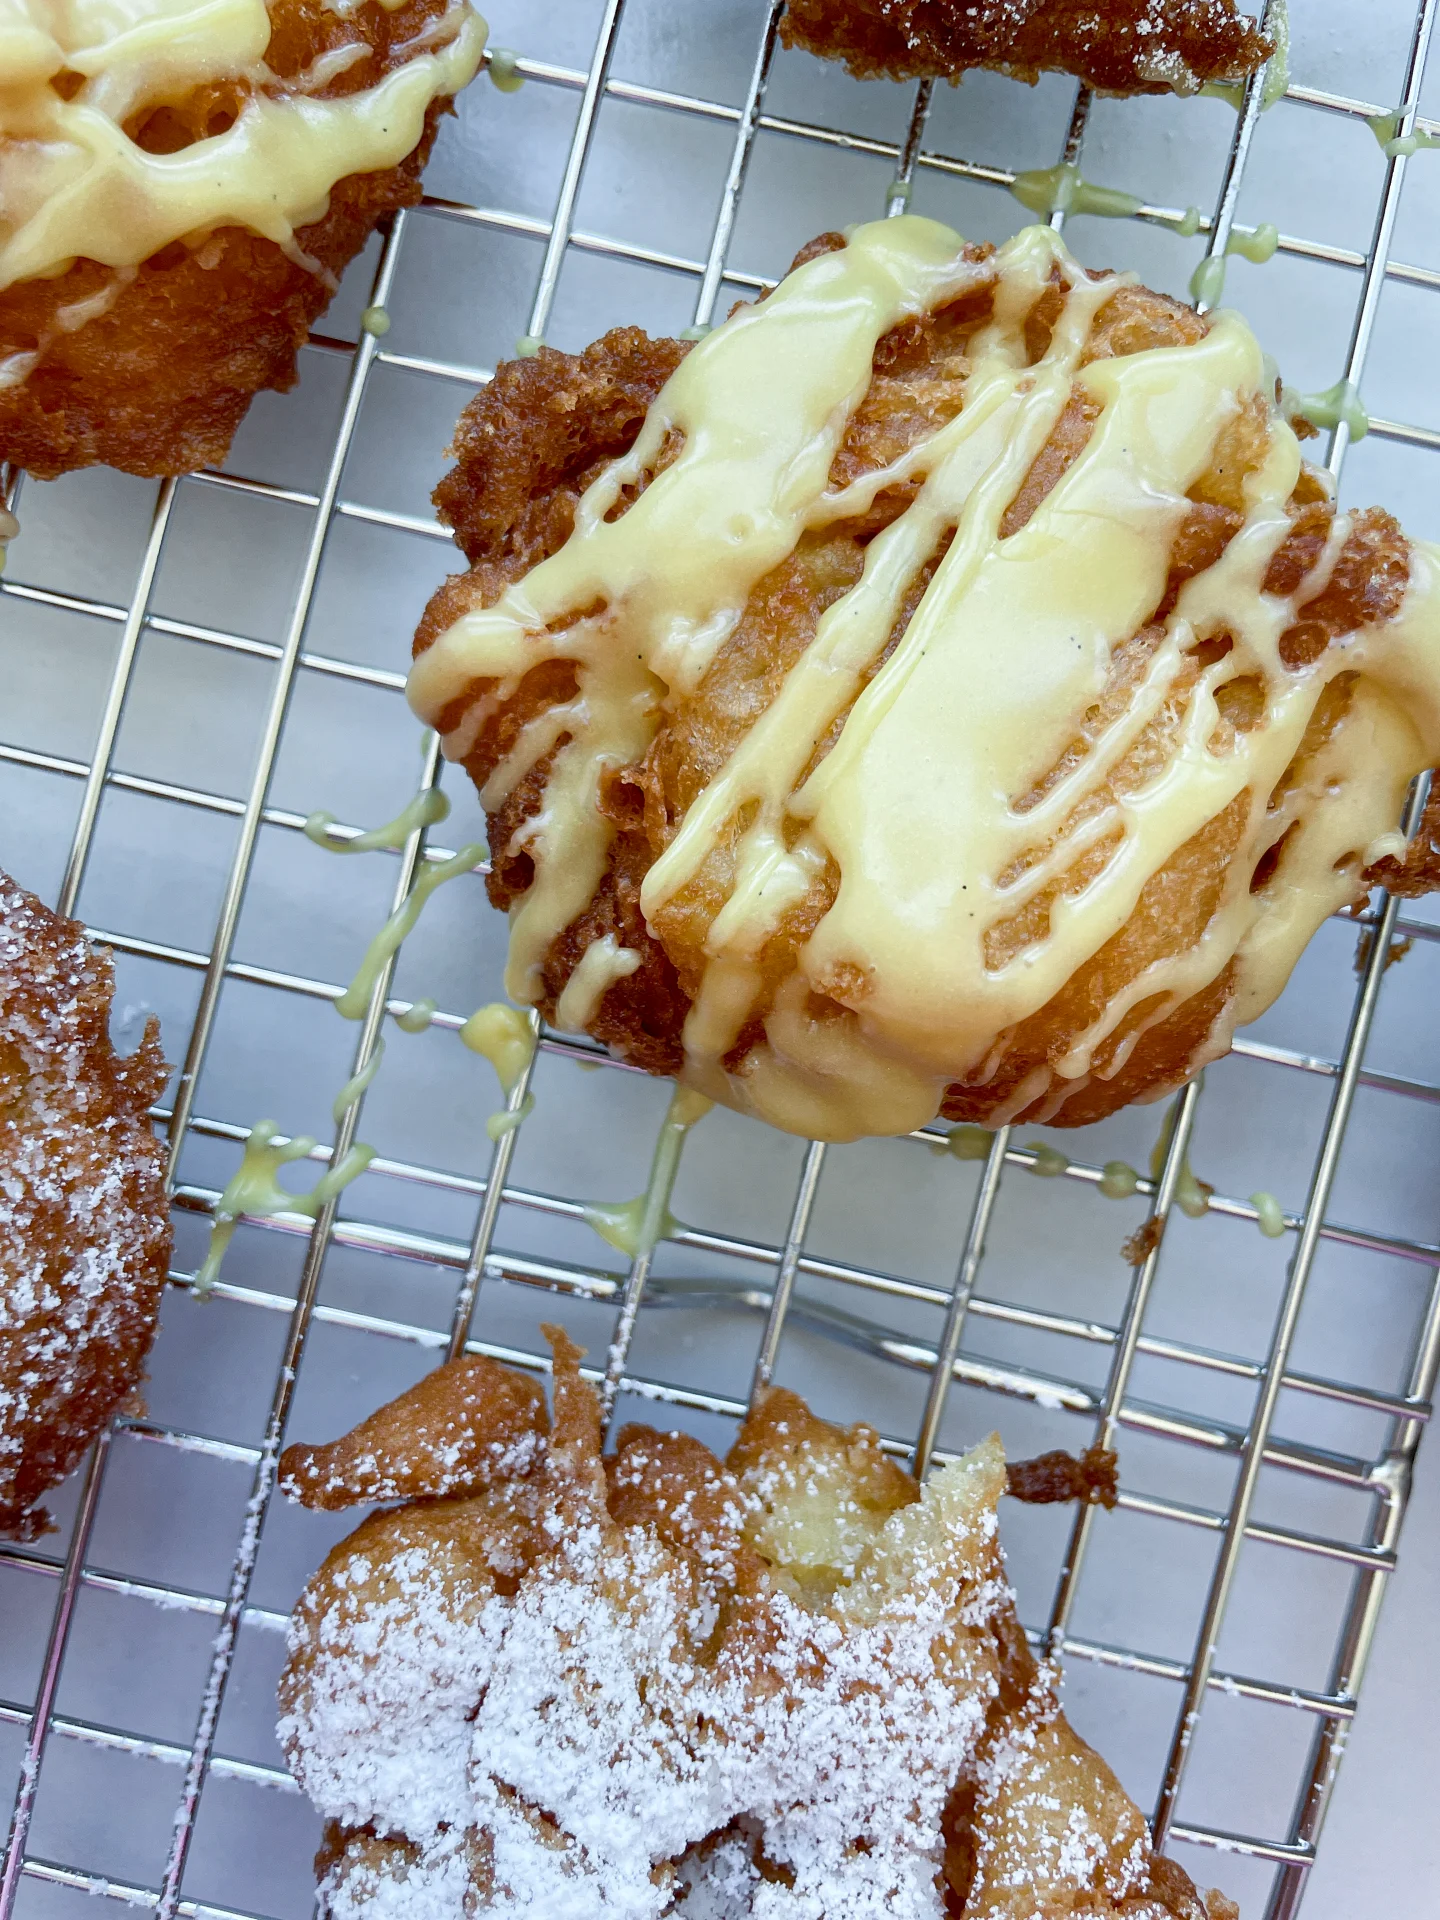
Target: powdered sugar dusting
x,y
588,1694
622,1701
84,1232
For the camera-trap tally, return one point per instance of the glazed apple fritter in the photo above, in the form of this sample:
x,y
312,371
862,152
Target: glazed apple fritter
x,y
1262,625
651,1684
150,368
84,1221
1119,46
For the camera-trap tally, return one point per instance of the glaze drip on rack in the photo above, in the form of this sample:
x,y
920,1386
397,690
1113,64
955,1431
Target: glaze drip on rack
x,y
637,1226
255,1189
505,1037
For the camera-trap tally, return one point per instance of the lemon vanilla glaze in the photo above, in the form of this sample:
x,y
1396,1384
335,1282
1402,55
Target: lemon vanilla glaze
x,y
952,801
78,77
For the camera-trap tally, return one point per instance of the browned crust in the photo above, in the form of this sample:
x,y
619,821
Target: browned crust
x,y
159,382
1090,1477
84,1224
1126,46
1143,1242
531,442
528,446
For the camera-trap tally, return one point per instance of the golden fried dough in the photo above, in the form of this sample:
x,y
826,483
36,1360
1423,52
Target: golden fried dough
x,y
651,1684
985,736
84,1223
151,368
1119,46
474,1423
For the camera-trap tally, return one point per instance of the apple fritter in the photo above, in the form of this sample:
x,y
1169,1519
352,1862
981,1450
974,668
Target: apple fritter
x,y
84,1220
650,1683
944,689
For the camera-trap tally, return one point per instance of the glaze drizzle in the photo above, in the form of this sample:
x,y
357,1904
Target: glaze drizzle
x,y
924,809
74,184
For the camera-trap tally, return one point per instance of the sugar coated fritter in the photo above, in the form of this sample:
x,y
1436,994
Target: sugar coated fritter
x,y
84,1221
943,689
789,1686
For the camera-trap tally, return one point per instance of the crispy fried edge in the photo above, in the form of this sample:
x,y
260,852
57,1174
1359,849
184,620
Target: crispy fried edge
x,y
917,39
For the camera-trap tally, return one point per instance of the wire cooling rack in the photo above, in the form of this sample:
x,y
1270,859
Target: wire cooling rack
x,y
190,669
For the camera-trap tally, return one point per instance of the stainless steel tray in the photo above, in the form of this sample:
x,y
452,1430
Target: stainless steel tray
x,y
186,671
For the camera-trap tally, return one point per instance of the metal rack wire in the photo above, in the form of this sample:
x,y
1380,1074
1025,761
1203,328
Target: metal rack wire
x,y
751,1272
